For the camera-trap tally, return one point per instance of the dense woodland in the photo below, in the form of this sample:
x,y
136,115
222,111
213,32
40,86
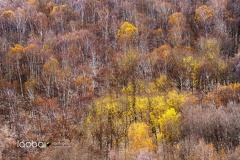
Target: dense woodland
x,y
120,79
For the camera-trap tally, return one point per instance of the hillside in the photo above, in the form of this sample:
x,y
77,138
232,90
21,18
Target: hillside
x,y
120,79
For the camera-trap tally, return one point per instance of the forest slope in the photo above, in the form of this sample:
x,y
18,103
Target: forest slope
x,y
120,79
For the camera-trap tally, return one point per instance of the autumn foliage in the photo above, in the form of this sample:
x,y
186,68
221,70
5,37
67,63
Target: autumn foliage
x,y
143,79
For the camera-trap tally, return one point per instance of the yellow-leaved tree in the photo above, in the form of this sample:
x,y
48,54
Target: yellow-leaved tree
x,y
16,52
108,120
163,83
50,69
177,19
51,66
14,56
209,47
140,137
203,13
7,14
127,30
192,66
169,126
174,99
204,16
125,35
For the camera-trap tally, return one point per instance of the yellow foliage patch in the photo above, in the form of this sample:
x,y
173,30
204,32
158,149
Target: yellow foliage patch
x,y
203,13
32,1
177,19
7,14
140,137
16,51
170,125
127,30
51,66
